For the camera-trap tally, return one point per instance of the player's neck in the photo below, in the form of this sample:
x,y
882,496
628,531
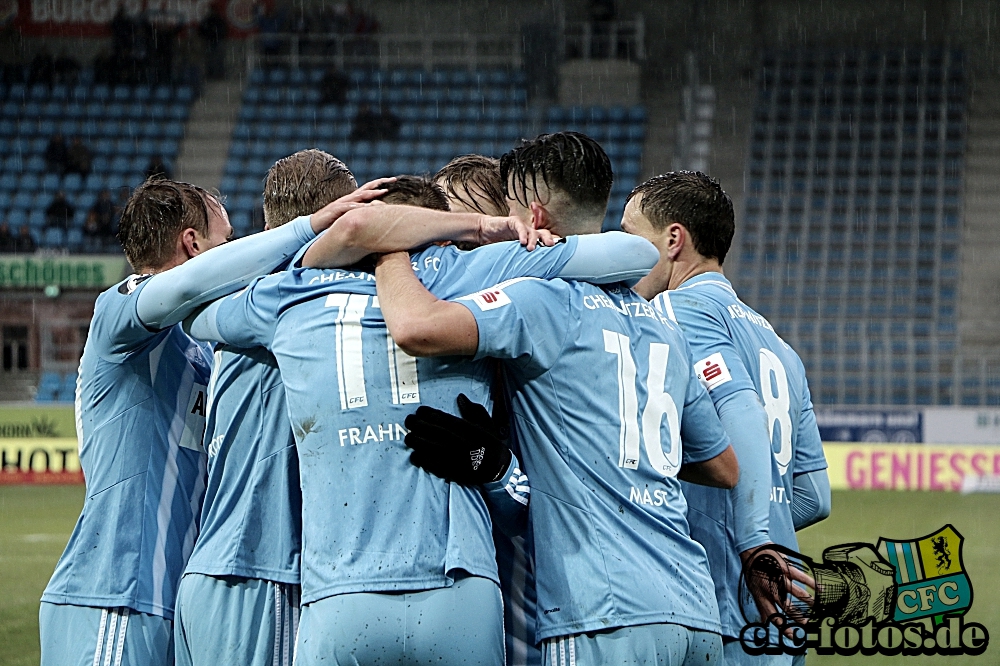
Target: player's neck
x,y
684,270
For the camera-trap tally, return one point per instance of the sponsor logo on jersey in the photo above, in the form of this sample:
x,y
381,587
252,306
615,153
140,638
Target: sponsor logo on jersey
x,y
489,299
712,371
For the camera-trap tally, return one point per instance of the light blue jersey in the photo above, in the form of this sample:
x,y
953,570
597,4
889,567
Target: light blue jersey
x,y
733,348
252,518
517,582
140,410
603,394
372,522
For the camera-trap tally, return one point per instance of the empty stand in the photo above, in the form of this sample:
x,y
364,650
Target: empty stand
x,y
443,113
850,242
123,126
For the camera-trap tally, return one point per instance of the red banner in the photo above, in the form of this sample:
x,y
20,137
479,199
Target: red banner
x,y
50,478
91,18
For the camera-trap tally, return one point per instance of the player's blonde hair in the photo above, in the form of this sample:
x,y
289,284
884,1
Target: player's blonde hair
x,y
302,183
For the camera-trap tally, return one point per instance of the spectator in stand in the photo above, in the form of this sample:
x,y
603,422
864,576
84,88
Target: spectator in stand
x,y
7,240
43,68
213,30
122,31
103,214
98,229
370,125
56,154
164,27
104,67
157,168
60,212
67,69
25,241
333,87
78,157
270,22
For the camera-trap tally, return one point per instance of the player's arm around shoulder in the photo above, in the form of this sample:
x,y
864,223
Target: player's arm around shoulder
x,y
420,322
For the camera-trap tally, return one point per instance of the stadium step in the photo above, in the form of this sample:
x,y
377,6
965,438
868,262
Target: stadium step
x,y
18,386
203,151
979,327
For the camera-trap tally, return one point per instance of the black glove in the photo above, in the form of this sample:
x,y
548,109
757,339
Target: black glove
x,y
469,450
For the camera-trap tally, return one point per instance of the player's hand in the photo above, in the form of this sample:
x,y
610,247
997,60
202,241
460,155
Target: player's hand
x,y
497,229
370,191
468,450
324,218
778,584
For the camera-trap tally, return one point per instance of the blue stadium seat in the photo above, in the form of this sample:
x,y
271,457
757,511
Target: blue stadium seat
x,y
50,182
162,93
54,237
173,130
49,385
35,163
74,238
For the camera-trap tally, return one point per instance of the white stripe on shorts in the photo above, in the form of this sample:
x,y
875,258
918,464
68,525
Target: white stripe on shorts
x,y
276,656
100,636
286,630
110,645
121,636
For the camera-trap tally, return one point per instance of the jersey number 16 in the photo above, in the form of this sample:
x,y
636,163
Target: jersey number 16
x,y
659,404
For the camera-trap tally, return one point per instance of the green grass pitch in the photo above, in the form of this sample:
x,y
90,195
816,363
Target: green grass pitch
x,y
35,522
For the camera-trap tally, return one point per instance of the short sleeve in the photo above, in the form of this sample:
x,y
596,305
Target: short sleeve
x,y
701,430
117,330
247,318
809,454
717,363
525,320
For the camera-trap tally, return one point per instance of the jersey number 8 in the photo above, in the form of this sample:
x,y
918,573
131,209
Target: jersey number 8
x,y
774,391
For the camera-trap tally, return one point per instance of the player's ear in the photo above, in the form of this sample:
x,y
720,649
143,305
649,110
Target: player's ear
x,y
189,239
540,218
677,238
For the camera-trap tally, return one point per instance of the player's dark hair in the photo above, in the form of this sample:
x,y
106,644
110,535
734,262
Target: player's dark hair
x,y
156,213
475,181
570,162
415,191
302,183
695,201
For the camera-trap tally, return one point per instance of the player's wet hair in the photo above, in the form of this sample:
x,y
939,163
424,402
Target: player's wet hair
x,y
302,183
567,162
415,191
475,181
155,215
695,201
